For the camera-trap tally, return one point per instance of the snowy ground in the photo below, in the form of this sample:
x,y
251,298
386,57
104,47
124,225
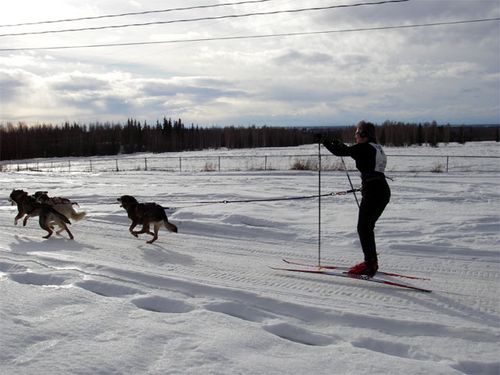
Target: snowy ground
x,y
204,301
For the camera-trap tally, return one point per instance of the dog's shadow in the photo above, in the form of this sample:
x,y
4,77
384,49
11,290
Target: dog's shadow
x,y
159,256
56,243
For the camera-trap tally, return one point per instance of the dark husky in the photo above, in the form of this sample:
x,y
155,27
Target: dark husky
x,y
48,216
145,214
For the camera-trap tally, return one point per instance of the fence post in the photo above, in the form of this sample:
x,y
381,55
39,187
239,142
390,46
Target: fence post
x,y
218,163
116,161
265,162
145,164
447,162
180,164
69,165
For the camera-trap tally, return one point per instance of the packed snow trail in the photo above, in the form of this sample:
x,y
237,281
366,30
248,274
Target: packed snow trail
x,y
205,301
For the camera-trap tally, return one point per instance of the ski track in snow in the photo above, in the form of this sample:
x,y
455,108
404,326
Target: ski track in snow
x,y
205,301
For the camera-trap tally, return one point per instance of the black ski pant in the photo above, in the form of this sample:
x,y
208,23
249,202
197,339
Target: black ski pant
x,y
376,194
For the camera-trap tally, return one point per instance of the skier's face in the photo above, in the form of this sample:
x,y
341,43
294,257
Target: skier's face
x,y
358,136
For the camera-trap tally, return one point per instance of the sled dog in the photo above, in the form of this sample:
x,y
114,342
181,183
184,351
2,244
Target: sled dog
x,y
27,206
62,205
145,214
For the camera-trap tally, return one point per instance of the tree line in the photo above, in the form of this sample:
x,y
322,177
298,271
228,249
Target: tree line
x,y
46,140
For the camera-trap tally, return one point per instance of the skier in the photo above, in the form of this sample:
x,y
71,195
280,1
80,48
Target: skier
x,y
370,161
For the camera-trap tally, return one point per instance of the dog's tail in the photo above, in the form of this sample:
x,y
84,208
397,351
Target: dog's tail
x,y
78,215
171,227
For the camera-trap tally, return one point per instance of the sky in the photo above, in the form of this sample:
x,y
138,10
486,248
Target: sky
x,y
447,73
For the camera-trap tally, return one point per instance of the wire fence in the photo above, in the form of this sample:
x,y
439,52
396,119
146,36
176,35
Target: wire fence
x,y
229,163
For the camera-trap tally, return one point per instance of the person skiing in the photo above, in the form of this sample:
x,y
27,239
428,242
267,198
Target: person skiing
x,y
370,161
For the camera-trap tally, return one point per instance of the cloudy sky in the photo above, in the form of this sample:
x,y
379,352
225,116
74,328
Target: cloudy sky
x,y
448,73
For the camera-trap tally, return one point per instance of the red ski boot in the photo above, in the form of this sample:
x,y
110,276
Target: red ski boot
x,y
364,268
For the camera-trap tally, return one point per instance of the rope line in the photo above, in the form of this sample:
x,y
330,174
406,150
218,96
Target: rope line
x,y
277,199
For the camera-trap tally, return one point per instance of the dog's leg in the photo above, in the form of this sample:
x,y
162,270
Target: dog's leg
x,y
47,228
19,215
63,226
26,219
53,227
132,226
155,234
145,229
53,224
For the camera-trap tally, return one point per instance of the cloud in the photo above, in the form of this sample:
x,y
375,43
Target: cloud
x,y
309,58
79,82
12,83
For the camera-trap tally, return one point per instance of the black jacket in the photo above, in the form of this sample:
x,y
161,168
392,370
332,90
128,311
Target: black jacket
x,y
369,157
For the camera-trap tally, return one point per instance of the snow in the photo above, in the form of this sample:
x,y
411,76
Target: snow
x,y
204,300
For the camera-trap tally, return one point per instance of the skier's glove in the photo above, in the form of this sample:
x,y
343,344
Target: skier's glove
x,y
333,142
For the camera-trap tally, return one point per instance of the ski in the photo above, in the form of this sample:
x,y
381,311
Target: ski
x,y
357,277
342,268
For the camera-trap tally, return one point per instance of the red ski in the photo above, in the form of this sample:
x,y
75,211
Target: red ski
x,y
342,268
357,277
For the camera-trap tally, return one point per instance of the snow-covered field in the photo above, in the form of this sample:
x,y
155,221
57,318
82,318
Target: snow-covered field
x,y
204,301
